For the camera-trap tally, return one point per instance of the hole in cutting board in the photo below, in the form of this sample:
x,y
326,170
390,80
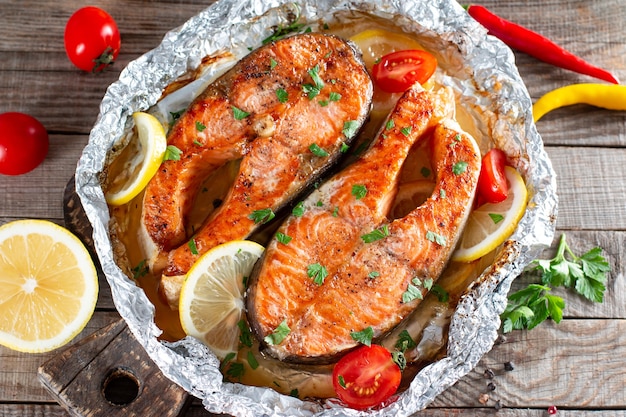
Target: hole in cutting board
x,y
120,387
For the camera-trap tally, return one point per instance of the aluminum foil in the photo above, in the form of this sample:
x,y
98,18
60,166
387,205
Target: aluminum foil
x,y
482,72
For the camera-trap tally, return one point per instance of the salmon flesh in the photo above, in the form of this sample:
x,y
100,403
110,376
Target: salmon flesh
x,y
345,268
285,111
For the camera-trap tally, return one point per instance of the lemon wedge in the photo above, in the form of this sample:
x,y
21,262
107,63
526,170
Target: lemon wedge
x,y
48,286
211,298
411,195
146,159
491,224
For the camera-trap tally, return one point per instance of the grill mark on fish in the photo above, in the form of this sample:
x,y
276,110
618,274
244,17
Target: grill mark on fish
x,y
322,317
270,142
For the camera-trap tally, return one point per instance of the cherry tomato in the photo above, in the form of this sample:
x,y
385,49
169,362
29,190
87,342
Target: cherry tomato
x,y
92,40
366,377
23,143
398,71
492,185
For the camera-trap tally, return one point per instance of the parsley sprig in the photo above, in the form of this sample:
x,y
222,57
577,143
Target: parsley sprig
x,y
585,275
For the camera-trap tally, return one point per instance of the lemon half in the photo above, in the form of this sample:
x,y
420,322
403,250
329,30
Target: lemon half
x,y
144,162
490,225
211,299
48,286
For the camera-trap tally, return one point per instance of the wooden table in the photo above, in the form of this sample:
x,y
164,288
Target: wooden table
x,y
578,365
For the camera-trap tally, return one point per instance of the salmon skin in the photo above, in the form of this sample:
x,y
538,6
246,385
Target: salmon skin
x,y
347,268
285,111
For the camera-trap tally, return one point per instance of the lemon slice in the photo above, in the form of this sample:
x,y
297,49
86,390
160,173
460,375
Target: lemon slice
x,y
410,195
491,224
147,156
211,298
48,286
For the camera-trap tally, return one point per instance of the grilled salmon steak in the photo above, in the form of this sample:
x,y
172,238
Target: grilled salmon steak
x,y
346,268
284,111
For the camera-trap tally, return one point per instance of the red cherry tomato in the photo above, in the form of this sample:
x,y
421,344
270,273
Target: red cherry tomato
x,y
92,40
398,71
23,143
492,185
366,377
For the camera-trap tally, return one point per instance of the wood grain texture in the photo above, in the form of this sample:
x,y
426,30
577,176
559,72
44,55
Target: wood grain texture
x,y
576,365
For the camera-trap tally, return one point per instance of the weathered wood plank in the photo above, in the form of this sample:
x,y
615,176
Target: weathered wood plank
x,y
576,364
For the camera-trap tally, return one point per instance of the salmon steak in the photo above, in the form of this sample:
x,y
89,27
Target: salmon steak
x,y
339,267
285,112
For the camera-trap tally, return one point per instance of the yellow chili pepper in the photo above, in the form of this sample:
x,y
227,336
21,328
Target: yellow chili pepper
x,y
607,96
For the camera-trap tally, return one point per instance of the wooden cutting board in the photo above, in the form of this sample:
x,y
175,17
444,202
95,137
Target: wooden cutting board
x,y
107,373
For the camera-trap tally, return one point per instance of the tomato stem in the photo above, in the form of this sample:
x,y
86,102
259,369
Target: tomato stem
x,y
106,59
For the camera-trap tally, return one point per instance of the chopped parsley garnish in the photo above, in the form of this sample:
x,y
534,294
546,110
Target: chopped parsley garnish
x,y
312,90
198,143
282,95
252,360
192,246
141,270
406,131
317,272
283,238
235,370
294,393
365,336
341,380
428,283
412,292
298,210
399,359
377,234
405,341
317,150
336,211
199,126
442,193
333,96
436,238
273,63
373,275
497,218
441,293
239,114
359,191
350,128
278,335
344,147
262,216
245,336
172,153
390,124
459,168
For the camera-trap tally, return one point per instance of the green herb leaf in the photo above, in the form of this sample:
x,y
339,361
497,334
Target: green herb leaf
x,y
278,335
334,96
411,293
405,341
262,216
342,381
317,272
441,293
298,210
282,95
315,76
373,275
141,270
365,336
459,168
282,31
377,234
273,63
406,131
199,126
359,191
530,306
283,238
436,238
317,150
239,114
252,360
192,246
497,218
172,153
350,128
245,336
390,124
399,359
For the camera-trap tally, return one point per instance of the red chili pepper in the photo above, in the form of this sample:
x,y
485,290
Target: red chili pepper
x,y
536,45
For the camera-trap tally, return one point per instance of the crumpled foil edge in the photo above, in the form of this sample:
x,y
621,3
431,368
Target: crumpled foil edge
x,y
481,71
